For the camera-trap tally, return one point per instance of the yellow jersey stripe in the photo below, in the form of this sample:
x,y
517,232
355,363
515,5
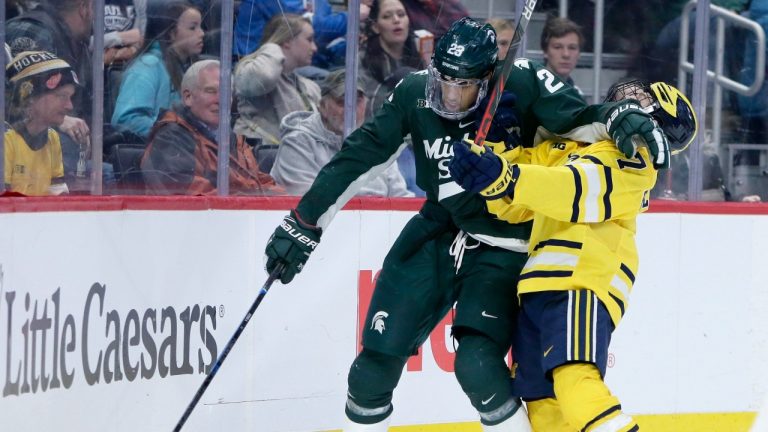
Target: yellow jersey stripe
x,y
619,285
552,258
592,196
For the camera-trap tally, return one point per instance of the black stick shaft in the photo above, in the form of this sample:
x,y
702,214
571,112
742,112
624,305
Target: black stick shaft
x,y
264,289
509,61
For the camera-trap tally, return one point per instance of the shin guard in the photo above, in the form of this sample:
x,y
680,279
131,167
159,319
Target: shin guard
x,y
372,380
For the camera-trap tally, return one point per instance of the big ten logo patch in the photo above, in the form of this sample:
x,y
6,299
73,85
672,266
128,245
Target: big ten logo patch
x,y
440,341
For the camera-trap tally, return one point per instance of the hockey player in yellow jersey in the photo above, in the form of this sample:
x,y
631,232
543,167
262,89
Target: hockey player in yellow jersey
x,y
575,286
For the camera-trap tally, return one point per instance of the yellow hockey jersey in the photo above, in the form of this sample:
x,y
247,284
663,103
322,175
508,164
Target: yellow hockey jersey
x,y
32,172
585,200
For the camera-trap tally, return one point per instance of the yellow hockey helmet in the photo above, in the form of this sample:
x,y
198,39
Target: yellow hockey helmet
x,y
674,113
666,104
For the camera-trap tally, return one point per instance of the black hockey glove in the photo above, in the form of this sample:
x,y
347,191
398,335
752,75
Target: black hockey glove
x,y
504,126
291,243
630,126
479,170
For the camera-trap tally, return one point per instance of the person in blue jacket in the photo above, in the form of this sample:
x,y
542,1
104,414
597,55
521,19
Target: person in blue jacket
x,y
330,27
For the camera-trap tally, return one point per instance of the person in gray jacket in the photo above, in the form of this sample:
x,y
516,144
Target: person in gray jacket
x,y
310,139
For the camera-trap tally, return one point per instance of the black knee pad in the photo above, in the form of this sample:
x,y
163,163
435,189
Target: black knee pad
x,y
482,372
372,379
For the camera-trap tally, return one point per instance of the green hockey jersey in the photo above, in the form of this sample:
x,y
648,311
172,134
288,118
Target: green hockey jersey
x,y
544,106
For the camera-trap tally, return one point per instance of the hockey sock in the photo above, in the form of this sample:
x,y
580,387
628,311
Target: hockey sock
x,y
545,416
484,377
586,402
372,379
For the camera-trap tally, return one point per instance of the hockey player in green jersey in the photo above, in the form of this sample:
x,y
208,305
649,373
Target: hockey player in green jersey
x,y
576,284
453,250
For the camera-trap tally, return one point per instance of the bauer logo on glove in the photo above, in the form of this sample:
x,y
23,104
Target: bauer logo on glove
x,y
289,225
479,170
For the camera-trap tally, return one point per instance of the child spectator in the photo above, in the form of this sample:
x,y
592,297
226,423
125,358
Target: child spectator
x,y
174,38
311,139
40,96
182,155
266,83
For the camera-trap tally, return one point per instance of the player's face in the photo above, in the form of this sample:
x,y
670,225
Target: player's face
x,y
504,40
458,94
454,98
50,108
392,24
636,92
301,48
203,101
562,54
188,35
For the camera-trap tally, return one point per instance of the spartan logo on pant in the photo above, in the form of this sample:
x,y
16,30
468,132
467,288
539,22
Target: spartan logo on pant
x,y
377,323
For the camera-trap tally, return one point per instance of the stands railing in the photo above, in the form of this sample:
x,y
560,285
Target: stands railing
x,y
718,77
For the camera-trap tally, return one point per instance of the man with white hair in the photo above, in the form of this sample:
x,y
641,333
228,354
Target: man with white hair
x,y
182,154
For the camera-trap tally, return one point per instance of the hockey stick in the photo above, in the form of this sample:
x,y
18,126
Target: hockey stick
x,y
264,289
509,60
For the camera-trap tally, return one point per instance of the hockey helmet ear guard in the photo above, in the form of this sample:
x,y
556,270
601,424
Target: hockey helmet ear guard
x,y
668,106
463,60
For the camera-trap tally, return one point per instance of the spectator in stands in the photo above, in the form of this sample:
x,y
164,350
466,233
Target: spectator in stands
x,y
561,41
330,27
266,83
331,32
124,24
41,87
505,30
436,16
253,15
62,27
311,139
173,40
389,45
182,155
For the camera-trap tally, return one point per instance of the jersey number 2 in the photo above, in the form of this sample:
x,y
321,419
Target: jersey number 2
x,y
549,80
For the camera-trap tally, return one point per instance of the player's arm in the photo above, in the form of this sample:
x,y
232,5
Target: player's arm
x,y
543,99
365,154
596,187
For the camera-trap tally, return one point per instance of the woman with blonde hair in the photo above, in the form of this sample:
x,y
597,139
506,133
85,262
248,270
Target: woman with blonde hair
x,y
267,86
